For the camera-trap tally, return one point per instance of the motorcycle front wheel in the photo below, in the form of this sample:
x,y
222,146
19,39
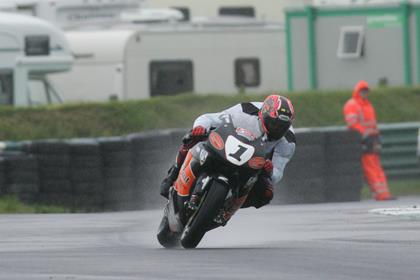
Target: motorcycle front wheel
x,y
209,207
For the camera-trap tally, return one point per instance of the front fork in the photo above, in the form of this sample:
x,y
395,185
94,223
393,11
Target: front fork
x,y
236,201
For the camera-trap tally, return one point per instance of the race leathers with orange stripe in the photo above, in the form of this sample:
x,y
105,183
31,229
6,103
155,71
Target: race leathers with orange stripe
x,y
186,177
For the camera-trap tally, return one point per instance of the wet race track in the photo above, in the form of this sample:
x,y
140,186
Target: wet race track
x,y
320,241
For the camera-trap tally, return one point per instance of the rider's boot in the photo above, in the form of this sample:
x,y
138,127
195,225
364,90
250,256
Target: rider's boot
x,y
169,180
173,171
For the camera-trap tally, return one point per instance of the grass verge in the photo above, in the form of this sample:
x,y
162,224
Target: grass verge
x,y
313,109
11,204
398,188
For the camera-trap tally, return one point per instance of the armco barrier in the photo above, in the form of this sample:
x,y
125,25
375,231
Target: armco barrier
x,y
418,146
400,143
124,173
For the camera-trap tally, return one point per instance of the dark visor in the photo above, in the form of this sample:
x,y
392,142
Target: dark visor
x,y
276,128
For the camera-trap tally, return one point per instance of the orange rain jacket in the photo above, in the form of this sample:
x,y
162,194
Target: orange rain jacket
x,y
359,112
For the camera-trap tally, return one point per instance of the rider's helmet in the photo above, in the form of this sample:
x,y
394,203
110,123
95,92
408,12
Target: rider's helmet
x,y
276,115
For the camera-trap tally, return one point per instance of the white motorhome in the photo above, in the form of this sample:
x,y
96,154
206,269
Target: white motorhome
x,y
69,14
30,49
260,9
138,62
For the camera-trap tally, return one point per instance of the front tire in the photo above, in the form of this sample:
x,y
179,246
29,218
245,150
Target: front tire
x,y
208,209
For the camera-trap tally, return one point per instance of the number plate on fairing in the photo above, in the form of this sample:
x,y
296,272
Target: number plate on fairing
x,y
238,152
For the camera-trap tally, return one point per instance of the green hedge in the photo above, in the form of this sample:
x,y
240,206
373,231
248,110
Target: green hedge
x,y
118,118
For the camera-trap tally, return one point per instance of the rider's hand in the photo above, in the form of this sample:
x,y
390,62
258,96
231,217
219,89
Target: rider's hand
x,y
196,135
268,168
198,131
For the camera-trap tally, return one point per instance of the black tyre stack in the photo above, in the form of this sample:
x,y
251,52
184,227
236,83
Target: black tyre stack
x,y
153,154
86,174
21,176
2,176
303,180
119,185
54,172
343,177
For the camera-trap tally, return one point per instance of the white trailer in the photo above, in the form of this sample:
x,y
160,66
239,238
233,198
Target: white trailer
x,y
30,49
69,14
354,2
260,9
138,62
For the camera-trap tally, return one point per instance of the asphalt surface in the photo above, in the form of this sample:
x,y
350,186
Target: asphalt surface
x,y
321,241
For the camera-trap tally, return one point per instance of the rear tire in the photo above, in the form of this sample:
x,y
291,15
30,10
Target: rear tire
x,y
208,209
165,236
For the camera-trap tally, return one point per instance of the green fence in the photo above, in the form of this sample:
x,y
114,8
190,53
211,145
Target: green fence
x,y
399,152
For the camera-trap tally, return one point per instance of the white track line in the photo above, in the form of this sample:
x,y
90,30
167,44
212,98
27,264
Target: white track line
x,y
406,211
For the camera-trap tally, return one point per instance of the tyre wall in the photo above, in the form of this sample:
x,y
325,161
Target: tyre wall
x,y
124,173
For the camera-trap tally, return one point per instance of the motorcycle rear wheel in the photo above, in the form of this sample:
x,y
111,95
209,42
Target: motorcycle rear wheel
x,y
198,225
165,236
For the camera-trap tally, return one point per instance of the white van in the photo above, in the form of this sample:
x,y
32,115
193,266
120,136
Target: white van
x,y
142,61
68,14
30,49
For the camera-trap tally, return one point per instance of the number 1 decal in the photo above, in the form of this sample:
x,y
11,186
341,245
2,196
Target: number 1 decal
x,y
237,152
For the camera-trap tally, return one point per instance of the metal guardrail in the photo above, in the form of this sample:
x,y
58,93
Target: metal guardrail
x,y
399,150
418,146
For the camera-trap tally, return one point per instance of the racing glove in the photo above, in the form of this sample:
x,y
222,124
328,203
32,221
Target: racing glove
x,y
268,168
198,131
197,134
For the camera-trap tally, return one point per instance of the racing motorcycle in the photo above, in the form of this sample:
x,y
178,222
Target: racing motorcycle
x,y
212,185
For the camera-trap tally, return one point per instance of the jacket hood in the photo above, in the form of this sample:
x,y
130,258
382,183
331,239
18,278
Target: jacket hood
x,y
358,88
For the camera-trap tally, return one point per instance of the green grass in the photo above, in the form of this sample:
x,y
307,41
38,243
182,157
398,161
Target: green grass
x,y
118,118
11,204
398,188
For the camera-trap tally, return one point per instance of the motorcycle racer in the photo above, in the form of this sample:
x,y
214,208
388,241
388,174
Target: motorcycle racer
x,y
271,119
